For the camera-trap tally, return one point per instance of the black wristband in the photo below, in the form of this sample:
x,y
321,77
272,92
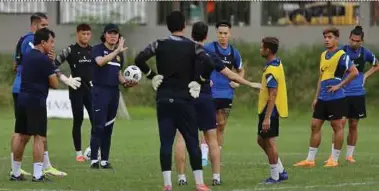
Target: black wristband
x,y
151,75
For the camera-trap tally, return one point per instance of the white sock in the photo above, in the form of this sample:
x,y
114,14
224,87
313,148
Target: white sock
x,y
198,174
46,160
79,153
103,162
350,151
11,158
37,170
336,154
94,161
332,148
217,177
204,151
16,168
167,178
312,153
274,171
182,177
280,166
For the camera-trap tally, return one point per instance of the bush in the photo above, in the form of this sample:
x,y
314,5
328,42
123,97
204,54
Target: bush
x,y
301,65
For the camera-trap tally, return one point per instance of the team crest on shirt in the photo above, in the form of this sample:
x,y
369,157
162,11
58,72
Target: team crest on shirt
x,y
118,58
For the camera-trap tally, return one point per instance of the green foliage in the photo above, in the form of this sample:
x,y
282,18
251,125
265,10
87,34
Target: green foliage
x,y
300,64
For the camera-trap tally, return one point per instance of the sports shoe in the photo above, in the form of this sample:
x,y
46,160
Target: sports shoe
x,y
271,181
17,178
202,187
106,166
182,182
167,188
23,172
329,158
305,163
283,175
331,163
204,162
95,165
80,159
216,182
41,179
54,172
350,160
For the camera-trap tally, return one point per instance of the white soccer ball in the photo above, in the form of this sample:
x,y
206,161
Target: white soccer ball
x,y
87,154
133,73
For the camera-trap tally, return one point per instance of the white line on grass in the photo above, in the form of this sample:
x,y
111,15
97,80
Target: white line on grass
x,y
311,186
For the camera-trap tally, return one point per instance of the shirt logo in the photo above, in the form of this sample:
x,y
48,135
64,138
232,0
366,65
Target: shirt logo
x,y
105,52
84,59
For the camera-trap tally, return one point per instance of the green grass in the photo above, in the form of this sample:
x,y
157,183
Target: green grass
x,y
135,156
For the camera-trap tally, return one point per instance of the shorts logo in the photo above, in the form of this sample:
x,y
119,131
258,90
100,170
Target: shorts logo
x,y
330,116
361,115
171,100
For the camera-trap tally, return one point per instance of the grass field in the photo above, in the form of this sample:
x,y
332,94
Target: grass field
x,y
135,157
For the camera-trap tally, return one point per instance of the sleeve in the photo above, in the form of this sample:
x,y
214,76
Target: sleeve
x,y
96,52
218,64
271,81
48,68
238,59
370,57
27,45
345,62
144,56
62,56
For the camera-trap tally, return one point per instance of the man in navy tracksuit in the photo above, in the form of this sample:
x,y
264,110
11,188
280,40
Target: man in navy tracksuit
x,y
108,61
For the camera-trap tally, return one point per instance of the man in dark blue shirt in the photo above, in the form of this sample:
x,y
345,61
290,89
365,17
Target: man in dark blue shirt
x,y
31,119
355,91
107,60
175,59
38,21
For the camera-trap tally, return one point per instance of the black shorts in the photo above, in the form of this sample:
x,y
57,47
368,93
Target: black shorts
x,y
356,107
15,95
274,127
31,120
223,103
205,112
330,110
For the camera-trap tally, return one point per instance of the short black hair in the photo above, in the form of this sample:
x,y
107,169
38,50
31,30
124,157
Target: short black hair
x,y
42,35
358,30
223,24
272,43
199,31
38,16
332,30
175,21
83,27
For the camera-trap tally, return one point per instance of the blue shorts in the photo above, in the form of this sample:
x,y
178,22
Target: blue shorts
x,y
205,112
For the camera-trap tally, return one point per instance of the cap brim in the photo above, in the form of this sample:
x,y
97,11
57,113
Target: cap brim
x,y
115,30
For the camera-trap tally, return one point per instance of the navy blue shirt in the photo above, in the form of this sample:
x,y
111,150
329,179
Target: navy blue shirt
x,y
218,66
37,67
106,75
359,58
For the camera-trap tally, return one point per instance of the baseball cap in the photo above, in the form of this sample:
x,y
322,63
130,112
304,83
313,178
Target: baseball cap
x,y
111,27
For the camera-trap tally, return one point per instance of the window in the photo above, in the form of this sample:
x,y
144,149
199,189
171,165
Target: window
x,y
237,12
102,12
310,13
375,13
22,7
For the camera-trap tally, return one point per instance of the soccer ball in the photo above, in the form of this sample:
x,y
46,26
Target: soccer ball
x,y
87,154
133,73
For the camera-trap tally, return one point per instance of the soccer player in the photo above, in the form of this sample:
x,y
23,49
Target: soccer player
x,y
354,91
329,102
25,44
175,59
205,108
272,105
31,117
223,88
108,60
79,58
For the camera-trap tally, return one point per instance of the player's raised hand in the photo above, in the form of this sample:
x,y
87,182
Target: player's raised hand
x,y
129,83
121,45
51,55
256,85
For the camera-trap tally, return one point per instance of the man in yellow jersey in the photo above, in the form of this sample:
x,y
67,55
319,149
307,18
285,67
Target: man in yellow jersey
x,y
272,105
329,102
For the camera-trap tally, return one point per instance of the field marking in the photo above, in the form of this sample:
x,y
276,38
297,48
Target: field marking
x,y
310,187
